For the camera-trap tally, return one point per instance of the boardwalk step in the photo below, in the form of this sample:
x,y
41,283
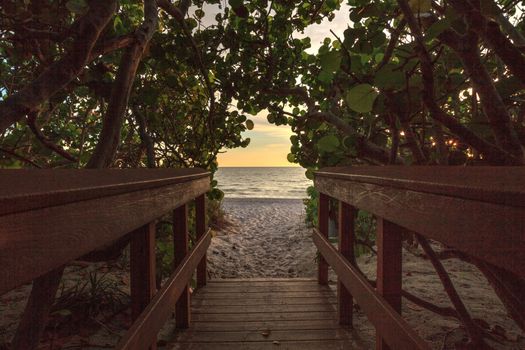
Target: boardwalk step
x,y
264,314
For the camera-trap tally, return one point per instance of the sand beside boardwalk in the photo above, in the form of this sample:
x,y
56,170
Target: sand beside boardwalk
x,y
269,238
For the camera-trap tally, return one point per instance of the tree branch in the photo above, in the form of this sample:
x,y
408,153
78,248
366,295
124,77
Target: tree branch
x,y
471,328
490,32
109,137
62,72
365,148
31,121
493,153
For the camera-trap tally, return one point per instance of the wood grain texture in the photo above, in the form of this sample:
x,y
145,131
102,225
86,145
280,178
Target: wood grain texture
x,y
346,235
25,189
181,247
142,271
270,320
323,217
491,232
36,241
387,321
389,269
160,308
492,184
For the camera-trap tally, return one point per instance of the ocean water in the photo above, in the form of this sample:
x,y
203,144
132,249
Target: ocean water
x,y
278,182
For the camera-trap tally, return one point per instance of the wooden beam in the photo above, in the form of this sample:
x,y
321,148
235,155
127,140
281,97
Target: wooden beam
x,y
37,241
397,332
160,308
346,248
26,189
323,218
200,228
389,268
142,264
181,246
491,232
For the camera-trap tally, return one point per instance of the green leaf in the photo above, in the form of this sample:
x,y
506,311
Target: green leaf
x,y
350,142
199,13
249,124
389,78
216,194
331,61
437,28
291,157
328,143
77,6
118,26
361,98
309,173
235,3
325,76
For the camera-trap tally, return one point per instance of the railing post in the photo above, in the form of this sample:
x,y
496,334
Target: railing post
x,y
180,242
346,248
322,212
389,267
142,266
200,228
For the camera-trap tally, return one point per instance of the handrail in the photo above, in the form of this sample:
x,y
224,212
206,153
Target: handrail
x,y
151,320
479,211
396,330
51,217
77,212
410,198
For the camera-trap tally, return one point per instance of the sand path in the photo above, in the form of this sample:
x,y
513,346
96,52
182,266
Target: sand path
x,y
268,238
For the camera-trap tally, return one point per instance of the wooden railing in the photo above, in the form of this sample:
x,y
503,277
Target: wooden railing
x,y
479,211
51,217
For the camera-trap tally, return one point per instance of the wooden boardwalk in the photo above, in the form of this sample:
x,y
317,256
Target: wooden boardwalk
x,y
265,314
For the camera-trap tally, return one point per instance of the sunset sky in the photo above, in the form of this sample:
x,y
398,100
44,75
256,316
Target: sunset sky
x,y
270,143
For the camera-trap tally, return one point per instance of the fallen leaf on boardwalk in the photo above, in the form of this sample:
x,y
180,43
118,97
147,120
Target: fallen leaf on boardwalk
x,y
265,333
275,342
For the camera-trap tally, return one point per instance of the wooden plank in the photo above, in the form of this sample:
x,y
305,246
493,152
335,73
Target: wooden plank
x,y
160,308
210,295
200,229
490,232
267,289
262,325
271,280
346,248
396,331
181,247
26,189
37,241
245,337
492,184
240,309
389,269
323,217
239,300
292,345
142,271
266,317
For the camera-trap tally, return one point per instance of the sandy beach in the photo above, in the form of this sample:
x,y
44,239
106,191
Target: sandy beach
x,y
269,238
